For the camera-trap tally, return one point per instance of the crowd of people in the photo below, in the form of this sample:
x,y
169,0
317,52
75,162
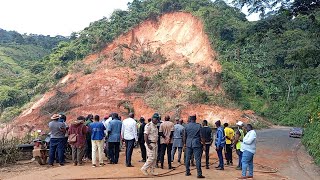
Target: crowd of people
x,y
92,138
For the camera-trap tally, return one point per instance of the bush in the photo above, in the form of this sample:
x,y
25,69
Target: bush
x,y
139,86
198,96
10,113
8,150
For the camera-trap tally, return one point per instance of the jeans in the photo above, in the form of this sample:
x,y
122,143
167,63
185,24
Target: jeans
x,y
239,153
114,149
197,151
77,154
88,147
165,147
220,156
173,152
97,145
56,144
247,161
143,151
229,153
207,154
129,150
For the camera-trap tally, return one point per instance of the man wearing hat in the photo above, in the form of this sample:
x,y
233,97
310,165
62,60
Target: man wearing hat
x,y
58,130
220,143
151,143
237,142
193,144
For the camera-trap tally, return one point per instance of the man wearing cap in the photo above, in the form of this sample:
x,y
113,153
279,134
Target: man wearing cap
x,y
177,140
151,138
129,134
193,144
58,130
237,142
220,143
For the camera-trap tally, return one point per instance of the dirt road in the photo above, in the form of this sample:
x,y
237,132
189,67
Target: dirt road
x,y
278,157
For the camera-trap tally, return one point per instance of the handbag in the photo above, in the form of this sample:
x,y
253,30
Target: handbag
x,y
72,138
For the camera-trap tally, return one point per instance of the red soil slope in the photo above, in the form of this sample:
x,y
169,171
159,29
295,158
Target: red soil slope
x,y
178,36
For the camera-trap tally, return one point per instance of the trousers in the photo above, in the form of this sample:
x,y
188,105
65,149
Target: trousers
x,y
114,149
77,154
229,153
152,155
207,150
143,151
97,147
129,150
173,152
247,162
197,151
165,147
56,144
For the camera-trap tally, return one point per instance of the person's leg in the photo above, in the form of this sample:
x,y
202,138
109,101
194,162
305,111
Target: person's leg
x,y
179,154
61,147
207,155
143,151
229,153
219,152
94,152
169,149
187,162
197,154
100,151
80,153
74,155
131,146
163,150
127,149
251,165
52,150
111,152
245,162
173,152
117,151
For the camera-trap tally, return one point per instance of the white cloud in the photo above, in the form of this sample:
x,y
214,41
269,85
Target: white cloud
x,y
54,17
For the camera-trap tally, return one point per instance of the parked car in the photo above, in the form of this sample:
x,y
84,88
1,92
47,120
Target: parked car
x,y
296,132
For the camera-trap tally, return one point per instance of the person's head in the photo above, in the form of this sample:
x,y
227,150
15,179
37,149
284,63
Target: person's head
x,y
142,120
239,124
218,123
81,118
225,124
106,117
131,115
177,120
149,120
204,123
181,121
96,118
90,117
55,117
167,118
155,118
193,118
115,116
249,127
63,117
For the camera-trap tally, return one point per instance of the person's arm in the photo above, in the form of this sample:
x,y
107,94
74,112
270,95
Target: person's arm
x,y
203,140
211,136
122,130
184,138
249,140
146,139
219,137
135,131
236,137
161,131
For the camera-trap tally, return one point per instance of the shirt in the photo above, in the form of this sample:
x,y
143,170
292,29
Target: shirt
x,y
81,130
166,128
220,137
106,123
97,130
141,132
151,131
56,129
178,131
114,130
129,129
229,133
206,134
249,142
192,134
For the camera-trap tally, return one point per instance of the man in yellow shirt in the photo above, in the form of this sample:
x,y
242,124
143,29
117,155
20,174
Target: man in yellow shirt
x,y
229,133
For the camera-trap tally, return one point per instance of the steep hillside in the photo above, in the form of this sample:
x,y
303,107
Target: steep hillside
x,y
160,65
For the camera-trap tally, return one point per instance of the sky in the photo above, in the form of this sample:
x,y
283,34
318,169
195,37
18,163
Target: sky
x,y
58,17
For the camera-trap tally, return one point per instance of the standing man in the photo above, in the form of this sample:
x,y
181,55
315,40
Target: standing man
x,y
229,133
166,139
58,130
88,148
97,139
177,140
151,138
206,137
129,134
106,123
237,142
193,143
220,143
248,148
114,137
141,140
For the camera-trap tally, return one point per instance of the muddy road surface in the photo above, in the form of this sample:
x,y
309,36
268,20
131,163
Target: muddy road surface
x,y
278,157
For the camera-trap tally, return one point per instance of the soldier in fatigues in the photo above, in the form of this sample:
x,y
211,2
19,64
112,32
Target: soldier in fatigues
x,y
151,138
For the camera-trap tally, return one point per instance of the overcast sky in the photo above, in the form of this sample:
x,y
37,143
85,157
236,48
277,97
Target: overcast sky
x,y
56,17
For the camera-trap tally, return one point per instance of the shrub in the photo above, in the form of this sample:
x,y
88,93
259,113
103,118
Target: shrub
x,y
198,96
8,150
139,86
10,113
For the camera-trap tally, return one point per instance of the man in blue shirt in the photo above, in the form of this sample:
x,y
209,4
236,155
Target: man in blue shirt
x,y
97,136
193,144
220,143
114,136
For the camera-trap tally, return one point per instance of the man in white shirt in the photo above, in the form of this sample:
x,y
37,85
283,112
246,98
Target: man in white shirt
x,y
248,147
129,134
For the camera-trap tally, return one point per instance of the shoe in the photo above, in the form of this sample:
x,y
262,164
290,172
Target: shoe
x,y
250,177
207,167
238,168
101,164
192,164
50,165
93,165
242,177
75,164
130,165
200,177
61,164
217,167
161,166
221,168
111,162
153,173
188,174
231,163
145,172
228,164
81,164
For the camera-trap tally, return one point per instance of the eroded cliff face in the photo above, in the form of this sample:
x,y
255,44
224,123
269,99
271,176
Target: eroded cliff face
x,y
177,45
